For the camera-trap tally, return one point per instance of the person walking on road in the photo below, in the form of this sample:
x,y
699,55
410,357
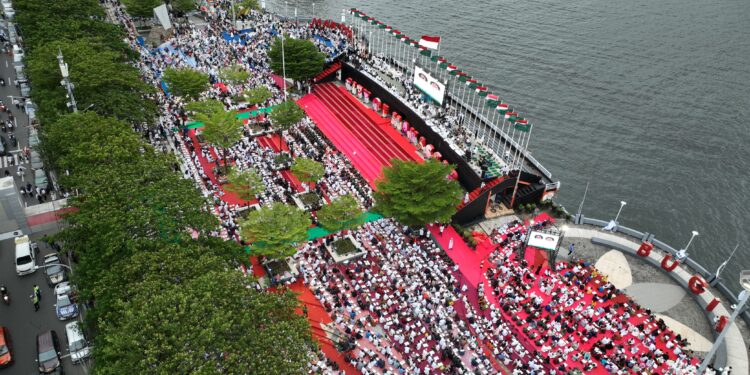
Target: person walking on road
x,y
35,301
37,292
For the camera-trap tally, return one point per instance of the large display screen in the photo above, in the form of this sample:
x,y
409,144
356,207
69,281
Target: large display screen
x,y
429,85
543,240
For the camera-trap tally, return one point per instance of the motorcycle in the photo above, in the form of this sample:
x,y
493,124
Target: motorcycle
x,y
4,293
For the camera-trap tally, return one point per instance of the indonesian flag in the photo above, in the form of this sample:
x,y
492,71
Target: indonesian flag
x,y
492,100
470,81
508,115
522,121
388,29
481,88
431,42
451,68
503,107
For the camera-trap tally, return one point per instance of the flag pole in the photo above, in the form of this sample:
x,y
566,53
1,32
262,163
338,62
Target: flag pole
x,y
518,178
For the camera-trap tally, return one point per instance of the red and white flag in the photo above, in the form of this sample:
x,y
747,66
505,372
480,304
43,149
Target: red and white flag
x,y
431,42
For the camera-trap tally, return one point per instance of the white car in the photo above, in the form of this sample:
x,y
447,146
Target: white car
x,y
77,346
64,287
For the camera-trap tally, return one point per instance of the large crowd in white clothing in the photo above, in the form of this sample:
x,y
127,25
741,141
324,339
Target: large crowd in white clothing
x,y
403,307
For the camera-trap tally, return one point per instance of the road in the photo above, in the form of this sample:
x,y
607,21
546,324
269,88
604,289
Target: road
x,y
9,162
21,320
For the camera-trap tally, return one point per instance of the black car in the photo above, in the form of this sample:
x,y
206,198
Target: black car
x,y
48,353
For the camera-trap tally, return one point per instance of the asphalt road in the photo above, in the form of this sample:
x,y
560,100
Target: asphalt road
x,y
21,319
13,157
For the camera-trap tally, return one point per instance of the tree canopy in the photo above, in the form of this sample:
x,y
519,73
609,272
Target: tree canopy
x,y
247,184
257,95
102,81
234,74
186,82
141,8
308,170
286,114
275,231
302,58
221,128
342,213
210,322
417,194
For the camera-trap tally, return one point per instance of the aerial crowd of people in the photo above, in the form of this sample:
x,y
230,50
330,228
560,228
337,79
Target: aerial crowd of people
x,y
403,307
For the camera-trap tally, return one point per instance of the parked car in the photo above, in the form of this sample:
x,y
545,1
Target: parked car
x,y
25,256
40,178
65,307
66,287
48,353
77,345
53,271
6,355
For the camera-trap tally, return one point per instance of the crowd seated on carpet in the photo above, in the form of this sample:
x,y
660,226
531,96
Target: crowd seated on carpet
x,y
573,318
398,303
404,305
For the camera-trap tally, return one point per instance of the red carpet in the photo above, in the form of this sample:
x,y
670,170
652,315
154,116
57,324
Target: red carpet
x,y
317,316
229,198
360,156
368,140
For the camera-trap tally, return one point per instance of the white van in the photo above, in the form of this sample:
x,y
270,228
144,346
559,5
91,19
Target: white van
x,y
17,53
25,259
77,345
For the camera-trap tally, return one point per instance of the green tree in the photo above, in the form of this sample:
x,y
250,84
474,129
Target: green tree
x,y
234,74
308,170
417,194
246,184
141,8
159,261
275,231
183,6
245,6
258,95
103,81
186,82
213,323
220,128
342,213
302,58
285,115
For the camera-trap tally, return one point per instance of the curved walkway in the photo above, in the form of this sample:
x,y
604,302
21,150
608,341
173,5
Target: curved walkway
x,y
735,345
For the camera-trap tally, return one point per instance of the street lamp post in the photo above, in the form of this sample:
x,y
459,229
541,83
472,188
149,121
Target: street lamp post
x,y
66,81
313,10
55,264
692,236
743,297
622,204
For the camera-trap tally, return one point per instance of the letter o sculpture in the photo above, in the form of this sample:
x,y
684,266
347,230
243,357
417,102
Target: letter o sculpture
x,y
671,266
697,285
645,249
721,323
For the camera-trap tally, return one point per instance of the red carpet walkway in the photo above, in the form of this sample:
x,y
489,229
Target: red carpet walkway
x,y
368,140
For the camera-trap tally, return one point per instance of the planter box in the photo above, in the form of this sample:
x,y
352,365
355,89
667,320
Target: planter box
x,y
280,270
345,249
309,201
282,161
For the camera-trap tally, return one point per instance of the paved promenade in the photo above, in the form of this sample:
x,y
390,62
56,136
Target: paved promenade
x,y
658,296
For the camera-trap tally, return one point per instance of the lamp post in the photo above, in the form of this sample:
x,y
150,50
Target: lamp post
x,y
286,10
717,276
622,204
283,61
313,10
692,235
743,297
66,81
55,264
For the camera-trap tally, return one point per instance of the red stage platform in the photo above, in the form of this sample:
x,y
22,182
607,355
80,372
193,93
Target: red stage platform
x,y
368,140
